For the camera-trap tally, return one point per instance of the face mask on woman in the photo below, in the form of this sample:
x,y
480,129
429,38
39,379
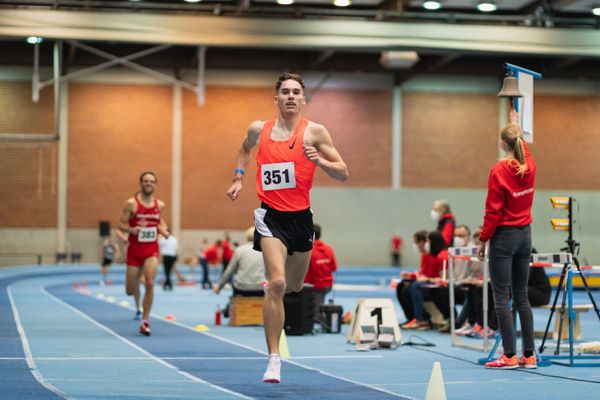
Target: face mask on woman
x,y
435,215
459,241
415,248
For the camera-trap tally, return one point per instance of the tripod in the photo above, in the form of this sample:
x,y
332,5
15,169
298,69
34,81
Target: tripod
x,y
565,286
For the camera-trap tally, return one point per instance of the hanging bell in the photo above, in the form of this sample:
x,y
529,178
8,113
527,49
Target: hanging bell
x,y
510,87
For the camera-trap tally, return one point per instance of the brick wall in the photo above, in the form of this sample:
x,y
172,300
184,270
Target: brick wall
x,y
19,114
566,140
448,140
115,133
359,123
118,131
27,170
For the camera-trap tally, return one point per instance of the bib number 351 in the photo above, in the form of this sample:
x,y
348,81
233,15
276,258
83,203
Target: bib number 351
x,y
148,234
278,176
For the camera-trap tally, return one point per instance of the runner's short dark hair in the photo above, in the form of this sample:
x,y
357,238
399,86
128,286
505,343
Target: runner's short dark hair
x,y
287,76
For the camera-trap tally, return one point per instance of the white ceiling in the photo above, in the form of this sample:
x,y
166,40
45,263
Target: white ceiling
x,y
506,5
576,6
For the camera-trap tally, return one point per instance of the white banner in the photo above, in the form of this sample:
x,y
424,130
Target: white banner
x,y
526,105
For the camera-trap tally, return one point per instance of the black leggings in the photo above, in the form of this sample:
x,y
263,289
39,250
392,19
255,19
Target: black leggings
x,y
168,262
441,299
510,254
403,295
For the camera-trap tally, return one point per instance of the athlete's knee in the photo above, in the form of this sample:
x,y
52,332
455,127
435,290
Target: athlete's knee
x,y
277,287
149,285
130,291
294,286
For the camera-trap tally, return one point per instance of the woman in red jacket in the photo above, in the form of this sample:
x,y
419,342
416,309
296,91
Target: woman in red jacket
x,y
507,227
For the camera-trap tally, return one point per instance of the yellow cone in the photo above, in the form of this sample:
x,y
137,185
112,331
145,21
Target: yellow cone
x,y
201,328
284,351
124,303
110,299
435,388
101,296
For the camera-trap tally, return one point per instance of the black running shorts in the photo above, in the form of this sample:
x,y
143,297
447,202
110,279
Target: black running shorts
x,y
294,228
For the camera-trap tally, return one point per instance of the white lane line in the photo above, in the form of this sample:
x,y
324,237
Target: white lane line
x,y
141,350
344,287
334,357
287,361
27,350
454,383
112,381
179,358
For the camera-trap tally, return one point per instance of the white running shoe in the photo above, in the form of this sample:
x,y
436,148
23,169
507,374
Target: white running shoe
x,y
273,372
466,328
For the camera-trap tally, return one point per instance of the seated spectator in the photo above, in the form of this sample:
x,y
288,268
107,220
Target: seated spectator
x,y
464,272
247,269
420,289
403,288
320,269
475,297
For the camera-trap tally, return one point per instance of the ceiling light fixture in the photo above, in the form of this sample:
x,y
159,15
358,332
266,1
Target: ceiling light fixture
x,y
342,3
596,11
34,40
285,2
432,5
487,6
192,1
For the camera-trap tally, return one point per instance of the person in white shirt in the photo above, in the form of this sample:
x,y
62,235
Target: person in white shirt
x,y
249,268
168,250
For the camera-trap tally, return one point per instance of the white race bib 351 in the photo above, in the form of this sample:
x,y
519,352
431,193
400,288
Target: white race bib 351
x,y
278,176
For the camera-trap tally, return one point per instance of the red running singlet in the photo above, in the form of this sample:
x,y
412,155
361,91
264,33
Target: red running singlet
x,y
145,243
284,175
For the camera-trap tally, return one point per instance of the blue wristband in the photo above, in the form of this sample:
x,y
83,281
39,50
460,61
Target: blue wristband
x,y
239,171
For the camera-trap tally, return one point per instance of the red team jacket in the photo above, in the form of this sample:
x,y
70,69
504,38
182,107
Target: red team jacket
x,y
322,265
446,227
430,266
510,196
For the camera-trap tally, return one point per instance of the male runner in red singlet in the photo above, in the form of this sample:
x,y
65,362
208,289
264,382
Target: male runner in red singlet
x,y
142,220
289,149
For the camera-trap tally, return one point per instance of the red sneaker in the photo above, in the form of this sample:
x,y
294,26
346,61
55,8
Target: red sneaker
x,y
410,324
145,328
422,326
503,363
475,331
528,362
